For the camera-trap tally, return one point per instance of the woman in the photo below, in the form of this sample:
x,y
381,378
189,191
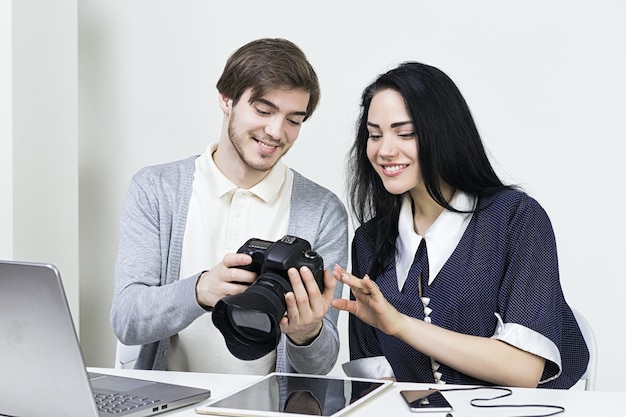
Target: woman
x,y
460,273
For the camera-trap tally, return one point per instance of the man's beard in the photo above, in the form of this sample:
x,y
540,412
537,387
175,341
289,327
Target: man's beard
x,y
237,141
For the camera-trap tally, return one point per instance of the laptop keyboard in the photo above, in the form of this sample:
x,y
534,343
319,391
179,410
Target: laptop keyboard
x,y
117,403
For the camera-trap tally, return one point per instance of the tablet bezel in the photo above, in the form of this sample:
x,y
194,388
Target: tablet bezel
x,y
209,409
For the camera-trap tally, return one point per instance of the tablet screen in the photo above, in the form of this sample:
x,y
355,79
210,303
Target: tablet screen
x,y
295,394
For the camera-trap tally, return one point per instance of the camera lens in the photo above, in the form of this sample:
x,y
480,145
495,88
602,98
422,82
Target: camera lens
x,y
250,321
255,325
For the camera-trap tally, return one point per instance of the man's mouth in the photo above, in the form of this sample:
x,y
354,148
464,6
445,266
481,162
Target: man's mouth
x,y
266,147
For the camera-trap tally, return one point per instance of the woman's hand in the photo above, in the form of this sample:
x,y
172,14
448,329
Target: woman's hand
x,y
370,305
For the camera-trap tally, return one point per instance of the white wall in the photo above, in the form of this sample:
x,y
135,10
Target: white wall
x,y
6,132
41,135
545,80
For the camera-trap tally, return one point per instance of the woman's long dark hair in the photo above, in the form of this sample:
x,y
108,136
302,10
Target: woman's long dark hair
x,y
450,151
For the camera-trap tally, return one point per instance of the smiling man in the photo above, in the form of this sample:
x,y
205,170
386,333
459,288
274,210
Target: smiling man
x,y
183,222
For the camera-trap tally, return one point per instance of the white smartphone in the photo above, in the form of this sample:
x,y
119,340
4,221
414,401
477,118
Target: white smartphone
x,y
428,400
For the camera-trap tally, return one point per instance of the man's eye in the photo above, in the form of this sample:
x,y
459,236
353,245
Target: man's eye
x,y
262,112
294,122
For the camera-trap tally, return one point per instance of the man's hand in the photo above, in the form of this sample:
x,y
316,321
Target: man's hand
x,y
223,279
306,305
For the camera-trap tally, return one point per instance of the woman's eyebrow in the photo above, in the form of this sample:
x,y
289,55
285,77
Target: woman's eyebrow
x,y
396,124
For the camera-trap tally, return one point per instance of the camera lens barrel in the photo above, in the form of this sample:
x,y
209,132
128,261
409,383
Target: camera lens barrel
x,y
250,321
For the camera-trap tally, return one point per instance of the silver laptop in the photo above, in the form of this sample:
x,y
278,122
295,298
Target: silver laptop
x,y
42,370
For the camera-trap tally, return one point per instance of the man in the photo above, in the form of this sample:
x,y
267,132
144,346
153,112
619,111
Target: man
x,y
182,224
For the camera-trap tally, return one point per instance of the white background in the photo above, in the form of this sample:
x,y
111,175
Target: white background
x,y
546,82
6,131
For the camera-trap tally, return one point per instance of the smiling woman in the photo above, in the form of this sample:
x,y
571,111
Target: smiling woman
x,y
460,274
391,148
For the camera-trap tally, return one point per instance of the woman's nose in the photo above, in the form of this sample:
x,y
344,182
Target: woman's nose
x,y
387,146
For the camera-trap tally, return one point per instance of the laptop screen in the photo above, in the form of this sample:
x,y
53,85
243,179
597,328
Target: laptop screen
x,y
42,370
40,357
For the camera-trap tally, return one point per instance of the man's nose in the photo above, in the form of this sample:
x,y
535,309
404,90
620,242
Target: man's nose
x,y
273,127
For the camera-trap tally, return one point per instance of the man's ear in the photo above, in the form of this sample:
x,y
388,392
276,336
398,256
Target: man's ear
x,y
225,103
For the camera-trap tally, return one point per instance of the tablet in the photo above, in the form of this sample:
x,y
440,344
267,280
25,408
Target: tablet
x,y
277,394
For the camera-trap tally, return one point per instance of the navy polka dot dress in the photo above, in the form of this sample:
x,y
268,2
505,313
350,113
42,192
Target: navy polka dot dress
x,y
505,263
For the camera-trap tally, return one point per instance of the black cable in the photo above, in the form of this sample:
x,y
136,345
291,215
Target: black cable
x,y
508,392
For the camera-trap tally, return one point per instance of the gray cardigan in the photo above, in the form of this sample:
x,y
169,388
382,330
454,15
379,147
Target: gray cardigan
x,y
150,303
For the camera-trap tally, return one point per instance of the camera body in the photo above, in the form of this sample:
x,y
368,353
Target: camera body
x,y
250,320
279,256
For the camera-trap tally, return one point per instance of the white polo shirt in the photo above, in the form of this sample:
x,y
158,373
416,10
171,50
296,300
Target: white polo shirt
x,y
221,218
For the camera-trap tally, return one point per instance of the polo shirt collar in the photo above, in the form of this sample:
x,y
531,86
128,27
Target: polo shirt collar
x,y
267,190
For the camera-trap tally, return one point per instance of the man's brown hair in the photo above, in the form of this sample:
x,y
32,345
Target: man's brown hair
x,y
269,64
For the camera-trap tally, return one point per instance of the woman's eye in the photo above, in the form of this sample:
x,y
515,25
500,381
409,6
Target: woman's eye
x,y
409,135
374,136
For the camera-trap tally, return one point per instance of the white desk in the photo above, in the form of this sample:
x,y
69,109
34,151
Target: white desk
x,y
389,403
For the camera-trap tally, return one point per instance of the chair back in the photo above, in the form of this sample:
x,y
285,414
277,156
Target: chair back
x,y
589,377
125,355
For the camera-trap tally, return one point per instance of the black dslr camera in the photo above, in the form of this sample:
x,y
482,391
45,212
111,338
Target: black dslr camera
x,y
250,320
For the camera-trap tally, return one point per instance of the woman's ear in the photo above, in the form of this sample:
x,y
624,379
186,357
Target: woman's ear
x,y
225,103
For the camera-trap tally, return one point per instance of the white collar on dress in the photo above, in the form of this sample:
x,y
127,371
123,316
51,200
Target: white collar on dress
x,y
442,236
